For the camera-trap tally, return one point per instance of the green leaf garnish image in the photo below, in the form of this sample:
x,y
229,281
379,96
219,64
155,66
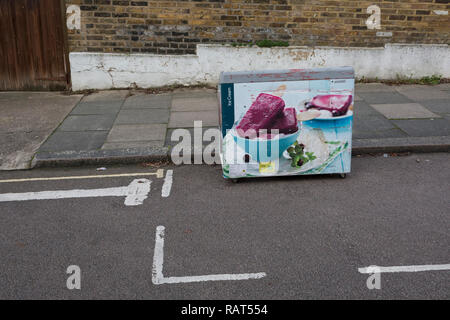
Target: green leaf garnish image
x,y
298,155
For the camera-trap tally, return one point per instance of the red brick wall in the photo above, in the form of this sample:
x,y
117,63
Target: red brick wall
x,y
176,26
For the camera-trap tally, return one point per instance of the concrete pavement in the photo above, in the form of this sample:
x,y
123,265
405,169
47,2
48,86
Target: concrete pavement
x,y
308,234
26,120
134,126
127,126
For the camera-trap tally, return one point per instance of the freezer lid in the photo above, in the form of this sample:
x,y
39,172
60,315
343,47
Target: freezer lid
x,y
287,75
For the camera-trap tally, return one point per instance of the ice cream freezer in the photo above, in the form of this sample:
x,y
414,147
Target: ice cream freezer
x,y
286,122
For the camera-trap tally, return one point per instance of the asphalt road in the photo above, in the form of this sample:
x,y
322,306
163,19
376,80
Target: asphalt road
x,y
308,234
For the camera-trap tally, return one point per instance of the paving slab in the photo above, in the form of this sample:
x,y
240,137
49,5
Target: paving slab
x,y
363,109
75,141
424,127
189,92
107,95
29,111
145,100
373,87
143,116
438,105
378,134
139,132
186,119
88,122
206,103
97,107
404,111
374,123
375,126
383,97
421,92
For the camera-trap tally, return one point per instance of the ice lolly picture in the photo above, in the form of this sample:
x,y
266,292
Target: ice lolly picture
x,y
286,123
261,114
336,104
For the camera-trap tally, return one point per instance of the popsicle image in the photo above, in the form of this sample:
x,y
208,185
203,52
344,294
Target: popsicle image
x,y
261,114
336,104
287,122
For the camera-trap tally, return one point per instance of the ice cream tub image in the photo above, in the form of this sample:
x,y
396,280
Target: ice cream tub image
x,y
266,148
286,122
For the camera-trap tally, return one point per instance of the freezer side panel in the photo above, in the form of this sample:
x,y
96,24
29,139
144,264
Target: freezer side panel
x,y
226,107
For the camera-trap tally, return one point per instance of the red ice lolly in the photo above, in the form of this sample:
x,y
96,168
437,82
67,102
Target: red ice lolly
x,y
261,114
336,104
287,122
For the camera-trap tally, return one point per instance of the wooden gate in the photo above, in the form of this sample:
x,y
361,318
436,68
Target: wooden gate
x,y
33,52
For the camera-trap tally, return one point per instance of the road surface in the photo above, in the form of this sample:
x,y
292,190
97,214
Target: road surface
x,y
280,238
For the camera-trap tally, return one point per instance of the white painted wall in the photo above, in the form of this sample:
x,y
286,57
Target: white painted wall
x,y
109,70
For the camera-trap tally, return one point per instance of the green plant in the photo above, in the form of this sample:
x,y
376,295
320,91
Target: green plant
x,y
242,44
399,80
271,43
432,80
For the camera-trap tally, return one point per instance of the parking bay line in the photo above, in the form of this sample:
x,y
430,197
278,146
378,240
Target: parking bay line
x,y
135,193
413,268
158,260
159,174
167,185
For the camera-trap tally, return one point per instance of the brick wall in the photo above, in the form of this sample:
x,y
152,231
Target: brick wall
x,y
176,26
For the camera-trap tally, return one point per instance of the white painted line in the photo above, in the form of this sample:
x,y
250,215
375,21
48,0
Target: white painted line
x,y
167,186
213,277
418,268
158,260
159,174
134,194
158,255
441,12
137,192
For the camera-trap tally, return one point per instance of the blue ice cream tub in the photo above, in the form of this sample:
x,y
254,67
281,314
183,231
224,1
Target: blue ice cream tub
x,y
265,150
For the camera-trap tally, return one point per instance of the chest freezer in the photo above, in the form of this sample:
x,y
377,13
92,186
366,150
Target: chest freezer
x,y
286,122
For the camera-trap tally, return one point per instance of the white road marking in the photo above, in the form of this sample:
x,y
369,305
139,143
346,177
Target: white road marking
x,y
167,186
418,268
134,194
137,192
158,260
159,174
213,277
158,255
